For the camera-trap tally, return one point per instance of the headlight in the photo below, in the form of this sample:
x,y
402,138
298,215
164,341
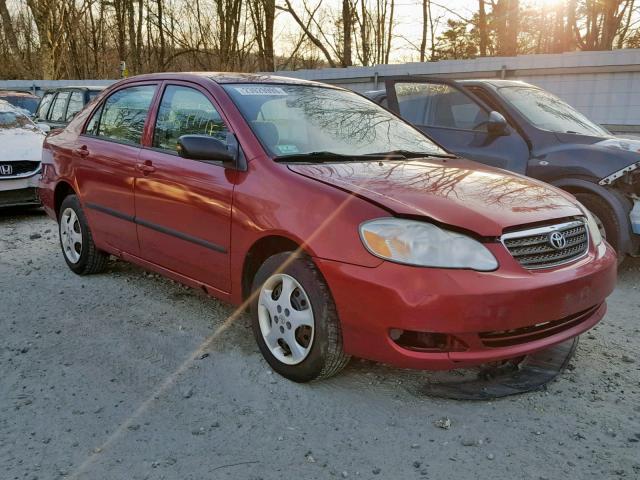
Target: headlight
x,y
423,244
594,230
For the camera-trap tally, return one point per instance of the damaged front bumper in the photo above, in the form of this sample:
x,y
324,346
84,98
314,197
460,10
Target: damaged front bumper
x,y
634,216
627,181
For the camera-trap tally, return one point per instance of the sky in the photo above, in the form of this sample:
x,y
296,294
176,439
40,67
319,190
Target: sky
x,y
409,22
408,25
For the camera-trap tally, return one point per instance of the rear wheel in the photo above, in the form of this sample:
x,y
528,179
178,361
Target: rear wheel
x,y
79,251
295,321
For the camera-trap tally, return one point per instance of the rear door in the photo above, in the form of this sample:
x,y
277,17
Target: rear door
x,y
457,120
183,206
106,158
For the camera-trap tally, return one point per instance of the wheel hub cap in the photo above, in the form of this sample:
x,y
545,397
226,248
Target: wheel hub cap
x,y
71,235
286,319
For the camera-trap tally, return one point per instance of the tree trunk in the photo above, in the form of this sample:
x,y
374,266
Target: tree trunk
x,y
346,33
425,29
482,28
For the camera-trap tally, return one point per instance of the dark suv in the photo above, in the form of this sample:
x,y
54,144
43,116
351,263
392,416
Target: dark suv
x,y
59,105
522,128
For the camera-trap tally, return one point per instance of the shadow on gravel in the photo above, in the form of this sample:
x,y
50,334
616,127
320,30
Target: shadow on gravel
x,y
20,213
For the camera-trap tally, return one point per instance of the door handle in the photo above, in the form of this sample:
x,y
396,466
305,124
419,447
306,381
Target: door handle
x,y
83,151
146,167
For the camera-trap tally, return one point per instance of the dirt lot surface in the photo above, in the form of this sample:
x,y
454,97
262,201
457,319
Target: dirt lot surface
x,y
96,382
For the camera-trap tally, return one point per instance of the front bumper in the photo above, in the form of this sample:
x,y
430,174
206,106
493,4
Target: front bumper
x,y
634,216
19,191
510,304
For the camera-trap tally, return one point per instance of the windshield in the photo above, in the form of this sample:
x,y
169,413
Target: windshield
x,y
299,119
10,118
548,112
28,104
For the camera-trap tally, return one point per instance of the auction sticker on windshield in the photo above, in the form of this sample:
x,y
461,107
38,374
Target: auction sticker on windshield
x,y
259,90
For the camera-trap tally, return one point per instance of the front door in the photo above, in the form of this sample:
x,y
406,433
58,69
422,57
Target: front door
x,y
106,155
456,120
183,207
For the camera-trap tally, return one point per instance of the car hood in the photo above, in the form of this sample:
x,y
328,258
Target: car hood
x,y
453,191
21,144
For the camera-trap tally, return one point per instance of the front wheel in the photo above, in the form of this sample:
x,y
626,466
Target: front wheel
x,y
606,218
79,251
294,319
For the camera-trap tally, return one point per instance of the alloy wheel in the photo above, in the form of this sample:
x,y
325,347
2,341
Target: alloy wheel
x,y
286,319
71,235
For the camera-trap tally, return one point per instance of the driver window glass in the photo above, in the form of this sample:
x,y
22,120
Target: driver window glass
x,y
439,105
186,111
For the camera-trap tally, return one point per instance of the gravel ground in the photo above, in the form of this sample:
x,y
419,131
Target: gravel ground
x,y
97,382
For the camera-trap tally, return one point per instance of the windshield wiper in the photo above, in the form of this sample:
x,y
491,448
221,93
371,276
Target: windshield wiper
x,y
324,156
411,154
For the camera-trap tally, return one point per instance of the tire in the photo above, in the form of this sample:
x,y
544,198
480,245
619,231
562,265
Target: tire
x,y
323,355
76,241
606,218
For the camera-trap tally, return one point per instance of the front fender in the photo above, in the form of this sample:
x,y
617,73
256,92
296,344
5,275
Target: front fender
x,y
620,204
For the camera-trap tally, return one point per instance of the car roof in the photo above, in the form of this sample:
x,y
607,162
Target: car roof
x,y
495,82
16,93
229,77
76,87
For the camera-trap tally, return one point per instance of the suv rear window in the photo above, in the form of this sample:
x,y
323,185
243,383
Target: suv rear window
x,y
76,102
59,107
45,103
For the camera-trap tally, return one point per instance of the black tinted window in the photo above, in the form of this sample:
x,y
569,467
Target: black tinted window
x,y
76,102
123,114
59,106
186,111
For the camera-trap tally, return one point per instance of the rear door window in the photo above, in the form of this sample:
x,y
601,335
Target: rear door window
x,y
186,111
76,102
45,103
59,107
122,116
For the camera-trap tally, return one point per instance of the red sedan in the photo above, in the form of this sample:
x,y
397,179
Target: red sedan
x,y
345,230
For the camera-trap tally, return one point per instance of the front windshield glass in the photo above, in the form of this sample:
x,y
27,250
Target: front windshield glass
x,y
548,112
12,118
26,103
301,119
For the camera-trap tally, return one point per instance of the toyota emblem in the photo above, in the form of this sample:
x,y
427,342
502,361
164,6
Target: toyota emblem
x,y
557,240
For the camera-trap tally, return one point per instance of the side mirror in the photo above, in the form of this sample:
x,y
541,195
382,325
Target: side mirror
x,y
44,127
207,149
497,124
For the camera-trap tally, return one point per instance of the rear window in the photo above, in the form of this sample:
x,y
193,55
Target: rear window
x,y
59,107
76,102
45,103
122,116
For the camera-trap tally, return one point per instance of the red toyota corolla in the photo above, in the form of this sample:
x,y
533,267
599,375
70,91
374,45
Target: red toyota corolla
x,y
344,228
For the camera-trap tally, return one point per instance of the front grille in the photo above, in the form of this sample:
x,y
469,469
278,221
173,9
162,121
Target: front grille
x,y
550,246
517,336
18,168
